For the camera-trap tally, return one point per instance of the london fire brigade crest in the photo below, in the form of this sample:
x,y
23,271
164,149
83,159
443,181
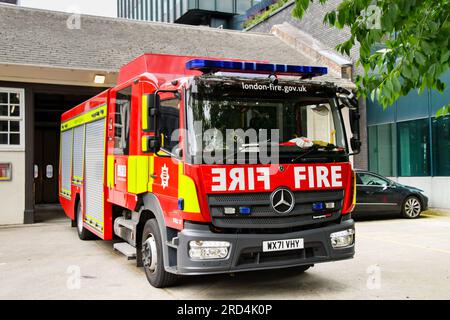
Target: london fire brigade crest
x,y
165,176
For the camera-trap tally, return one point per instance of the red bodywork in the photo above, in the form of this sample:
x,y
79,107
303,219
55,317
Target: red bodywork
x,y
144,75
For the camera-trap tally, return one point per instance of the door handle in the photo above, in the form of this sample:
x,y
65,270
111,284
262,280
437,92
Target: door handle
x,y
49,171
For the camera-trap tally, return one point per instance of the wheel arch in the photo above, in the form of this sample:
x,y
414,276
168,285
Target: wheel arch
x,y
415,195
151,209
411,195
75,207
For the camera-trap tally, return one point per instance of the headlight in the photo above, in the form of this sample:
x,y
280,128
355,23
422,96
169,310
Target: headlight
x,y
204,250
342,238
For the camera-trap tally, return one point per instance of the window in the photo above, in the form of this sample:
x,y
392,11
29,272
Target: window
x,y
193,4
164,10
225,6
414,145
367,179
122,121
168,122
11,119
382,149
207,5
441,146
243,5
153,10
171,11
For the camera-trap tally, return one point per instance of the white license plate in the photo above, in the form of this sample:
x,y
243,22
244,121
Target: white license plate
x,y
281,245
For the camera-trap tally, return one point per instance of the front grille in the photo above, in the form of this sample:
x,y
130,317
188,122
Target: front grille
x,y
262,214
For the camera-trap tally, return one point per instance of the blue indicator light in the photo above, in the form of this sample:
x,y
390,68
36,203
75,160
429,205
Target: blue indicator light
x,y
180,204
244,210
254,67
318,206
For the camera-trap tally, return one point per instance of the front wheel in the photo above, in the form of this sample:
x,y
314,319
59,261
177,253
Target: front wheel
x,y
411,208
152,257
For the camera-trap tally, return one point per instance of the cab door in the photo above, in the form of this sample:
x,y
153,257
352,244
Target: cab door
x,y
123,137
168,160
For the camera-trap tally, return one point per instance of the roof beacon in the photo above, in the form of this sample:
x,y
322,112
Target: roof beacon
x,y
208,66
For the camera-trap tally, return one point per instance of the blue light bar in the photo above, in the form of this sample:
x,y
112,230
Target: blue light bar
x,y
316,206
244,210
254,67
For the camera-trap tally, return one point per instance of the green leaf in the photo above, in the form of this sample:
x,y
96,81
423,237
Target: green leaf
x,y
445,57
397,87
444,111
426,48
414,33
420,58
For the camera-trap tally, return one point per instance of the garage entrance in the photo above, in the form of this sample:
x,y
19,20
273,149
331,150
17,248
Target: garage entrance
x,y
48,109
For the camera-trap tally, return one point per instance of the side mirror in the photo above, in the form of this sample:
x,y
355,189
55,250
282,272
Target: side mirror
x,y
354,120
355,142
151,143
153,110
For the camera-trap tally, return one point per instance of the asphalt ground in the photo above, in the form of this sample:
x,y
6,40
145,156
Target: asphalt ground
x,y
395,259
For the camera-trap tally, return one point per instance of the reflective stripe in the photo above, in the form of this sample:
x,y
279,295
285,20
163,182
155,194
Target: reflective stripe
x,y
354,189
144,144
187,191
111,170
78,154
151,171
86,117
66,163
138,175
145,112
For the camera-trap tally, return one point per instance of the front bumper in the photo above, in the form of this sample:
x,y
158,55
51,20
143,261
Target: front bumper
x,y
245,252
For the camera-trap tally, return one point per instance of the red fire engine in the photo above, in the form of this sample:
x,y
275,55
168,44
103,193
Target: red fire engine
x,y
160,162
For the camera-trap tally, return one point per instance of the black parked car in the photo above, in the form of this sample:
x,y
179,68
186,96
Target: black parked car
x,y
377,194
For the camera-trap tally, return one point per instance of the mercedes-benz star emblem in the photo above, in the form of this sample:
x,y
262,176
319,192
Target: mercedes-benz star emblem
x,y
282,200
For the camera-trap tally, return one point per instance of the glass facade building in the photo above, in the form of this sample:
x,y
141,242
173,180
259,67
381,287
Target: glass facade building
x,y
214,13
406,139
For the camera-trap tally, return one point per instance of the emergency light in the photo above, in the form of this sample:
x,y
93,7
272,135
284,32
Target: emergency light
x,y
254,67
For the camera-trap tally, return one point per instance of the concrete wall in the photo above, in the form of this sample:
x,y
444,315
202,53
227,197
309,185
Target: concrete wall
x,y
12,193
435,188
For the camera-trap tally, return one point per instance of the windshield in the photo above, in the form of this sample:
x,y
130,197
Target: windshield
x,y
232,124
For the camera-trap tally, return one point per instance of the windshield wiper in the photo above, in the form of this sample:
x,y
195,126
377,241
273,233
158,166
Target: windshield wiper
x,y
313,148
316,148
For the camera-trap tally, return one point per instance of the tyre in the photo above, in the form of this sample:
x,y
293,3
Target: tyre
x,y
83,233
152,257
411,208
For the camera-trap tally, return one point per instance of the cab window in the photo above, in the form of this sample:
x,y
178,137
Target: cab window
x,y
122,121
169,123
